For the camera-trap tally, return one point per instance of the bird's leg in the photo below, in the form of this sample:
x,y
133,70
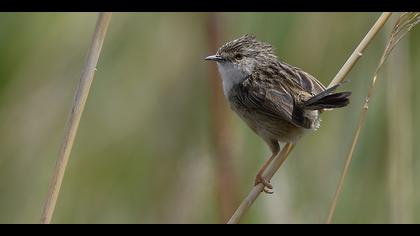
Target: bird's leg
x,y
275,149
260,179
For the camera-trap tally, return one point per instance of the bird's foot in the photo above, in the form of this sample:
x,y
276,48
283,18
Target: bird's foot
x,y
267,186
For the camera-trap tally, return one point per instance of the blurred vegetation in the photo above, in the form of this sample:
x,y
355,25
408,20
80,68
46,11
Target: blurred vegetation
x,y
143,153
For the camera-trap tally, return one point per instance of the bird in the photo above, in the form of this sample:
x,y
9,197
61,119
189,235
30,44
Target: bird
x,y
278,101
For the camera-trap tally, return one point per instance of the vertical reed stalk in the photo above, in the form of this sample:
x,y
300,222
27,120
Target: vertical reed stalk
x,y
79,102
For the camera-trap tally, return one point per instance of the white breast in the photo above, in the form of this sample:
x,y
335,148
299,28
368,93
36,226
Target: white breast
x,y
230,75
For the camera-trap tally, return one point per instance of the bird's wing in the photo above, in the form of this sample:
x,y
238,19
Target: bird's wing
x,y
305,80
276,103
310,83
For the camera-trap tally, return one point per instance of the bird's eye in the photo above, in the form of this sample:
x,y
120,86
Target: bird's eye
x,y
238,56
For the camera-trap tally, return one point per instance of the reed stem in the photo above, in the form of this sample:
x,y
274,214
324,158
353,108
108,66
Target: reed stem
x,y
78,106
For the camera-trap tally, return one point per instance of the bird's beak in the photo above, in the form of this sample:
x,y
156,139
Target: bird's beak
x,y
216,58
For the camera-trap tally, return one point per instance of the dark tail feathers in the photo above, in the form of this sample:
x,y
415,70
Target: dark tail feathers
x,y
328,99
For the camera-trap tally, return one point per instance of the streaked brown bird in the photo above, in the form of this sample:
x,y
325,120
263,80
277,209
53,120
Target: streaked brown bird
x,y
279,102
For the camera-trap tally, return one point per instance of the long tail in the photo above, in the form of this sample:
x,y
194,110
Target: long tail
x,y
328,99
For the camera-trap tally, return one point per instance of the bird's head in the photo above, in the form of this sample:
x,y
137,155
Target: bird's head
x,y
239,58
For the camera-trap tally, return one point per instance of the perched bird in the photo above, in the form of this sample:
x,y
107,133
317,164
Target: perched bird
x,y
279,102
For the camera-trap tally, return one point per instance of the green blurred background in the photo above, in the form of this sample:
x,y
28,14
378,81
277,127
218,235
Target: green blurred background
x,y
156,144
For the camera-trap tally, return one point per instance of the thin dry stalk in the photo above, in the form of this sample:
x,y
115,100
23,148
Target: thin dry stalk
x,y
341,75
358,52
346,166
255,192
404,24
79,102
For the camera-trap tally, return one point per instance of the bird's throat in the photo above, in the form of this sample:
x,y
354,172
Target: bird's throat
x,y
231,76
